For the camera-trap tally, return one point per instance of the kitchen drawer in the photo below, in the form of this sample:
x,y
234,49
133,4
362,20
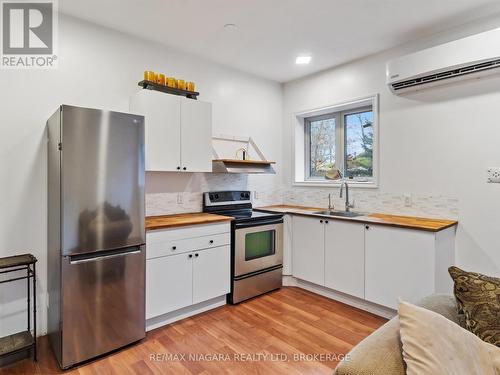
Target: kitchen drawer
x,y
170,234
179,246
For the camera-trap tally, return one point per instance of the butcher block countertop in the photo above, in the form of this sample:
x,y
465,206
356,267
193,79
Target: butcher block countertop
x,y
181,220
409,222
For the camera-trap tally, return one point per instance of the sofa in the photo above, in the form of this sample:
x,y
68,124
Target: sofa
x,y
380,353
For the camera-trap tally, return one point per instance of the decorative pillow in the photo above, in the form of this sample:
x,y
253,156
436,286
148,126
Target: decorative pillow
x,y
478,301
435,345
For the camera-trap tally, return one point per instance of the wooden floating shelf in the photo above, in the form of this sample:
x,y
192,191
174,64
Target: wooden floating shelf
x,y
150,85
237,161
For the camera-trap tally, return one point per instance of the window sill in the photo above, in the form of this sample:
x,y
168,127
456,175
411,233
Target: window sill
x,y
353,184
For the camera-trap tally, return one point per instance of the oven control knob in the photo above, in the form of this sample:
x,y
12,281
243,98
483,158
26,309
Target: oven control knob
x,y
216,196
247,195
242,195
211,197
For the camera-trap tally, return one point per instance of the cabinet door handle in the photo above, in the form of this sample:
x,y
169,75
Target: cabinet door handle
x,y
321,221
196,255
184,168
367,227
211,241
326,221
174,247
190,255
178,168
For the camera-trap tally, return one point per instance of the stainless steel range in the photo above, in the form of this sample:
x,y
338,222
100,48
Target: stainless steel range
x,y
256,244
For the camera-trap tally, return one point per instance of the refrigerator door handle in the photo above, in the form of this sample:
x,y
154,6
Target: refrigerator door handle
x,y
103,257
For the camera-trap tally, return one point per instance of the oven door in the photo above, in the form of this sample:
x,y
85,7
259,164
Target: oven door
x,y
258,245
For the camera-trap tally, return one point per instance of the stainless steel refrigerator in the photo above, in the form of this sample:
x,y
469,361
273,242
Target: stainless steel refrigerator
x,y
96,234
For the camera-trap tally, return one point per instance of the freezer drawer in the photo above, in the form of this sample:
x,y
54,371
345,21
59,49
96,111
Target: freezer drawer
x,y
103,303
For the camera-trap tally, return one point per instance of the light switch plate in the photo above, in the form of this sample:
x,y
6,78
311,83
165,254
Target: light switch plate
x,y
494,175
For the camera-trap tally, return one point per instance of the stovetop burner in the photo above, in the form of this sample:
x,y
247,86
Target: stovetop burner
x,y
241,215
237,204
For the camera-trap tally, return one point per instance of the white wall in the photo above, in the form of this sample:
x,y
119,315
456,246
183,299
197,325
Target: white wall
x,y
437,142
100,68
444,137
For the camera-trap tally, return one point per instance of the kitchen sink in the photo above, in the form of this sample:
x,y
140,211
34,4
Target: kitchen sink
x,y
339,213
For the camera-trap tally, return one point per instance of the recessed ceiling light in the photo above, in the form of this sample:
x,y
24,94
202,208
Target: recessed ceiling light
x,y
303,60
230,27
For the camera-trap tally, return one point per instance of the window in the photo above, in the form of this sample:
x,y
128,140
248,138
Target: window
x,y
358,149
321,145
340,138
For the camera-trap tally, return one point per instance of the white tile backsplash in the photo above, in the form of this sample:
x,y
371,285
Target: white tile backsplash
x,y
369,201
438,206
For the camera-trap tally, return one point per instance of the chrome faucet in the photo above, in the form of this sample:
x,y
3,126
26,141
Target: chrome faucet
x,y
348,205
331,207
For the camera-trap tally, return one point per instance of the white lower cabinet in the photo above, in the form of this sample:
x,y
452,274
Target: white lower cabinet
x,y
211,273
186,266
345,257
287,244
169,284
373,262
400,263
309,249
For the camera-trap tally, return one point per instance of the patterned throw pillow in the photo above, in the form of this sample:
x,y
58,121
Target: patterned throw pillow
x,y
478,301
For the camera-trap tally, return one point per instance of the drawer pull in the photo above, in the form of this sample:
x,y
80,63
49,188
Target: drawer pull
x,y
211,241
174,247
190,255
196,255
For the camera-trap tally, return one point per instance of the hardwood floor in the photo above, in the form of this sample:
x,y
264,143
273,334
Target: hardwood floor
x,y
265,335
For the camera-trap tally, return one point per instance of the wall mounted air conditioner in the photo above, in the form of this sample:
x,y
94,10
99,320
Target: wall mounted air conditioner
x,y
472,57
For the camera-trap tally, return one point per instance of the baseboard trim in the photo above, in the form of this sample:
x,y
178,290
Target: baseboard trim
x,y
185,312
341,297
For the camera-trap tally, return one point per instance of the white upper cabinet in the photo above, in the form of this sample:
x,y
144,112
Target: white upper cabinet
x,y
196,136
178,132
163,128
345,257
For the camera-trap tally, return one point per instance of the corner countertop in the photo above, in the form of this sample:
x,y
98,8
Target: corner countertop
x,y
181,220
409,222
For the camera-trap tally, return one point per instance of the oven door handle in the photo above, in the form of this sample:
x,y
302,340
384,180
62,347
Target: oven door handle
x,y
258,223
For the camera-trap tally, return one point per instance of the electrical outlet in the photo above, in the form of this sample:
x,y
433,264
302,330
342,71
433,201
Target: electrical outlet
x,y
494,175
256,194
407,199
180,198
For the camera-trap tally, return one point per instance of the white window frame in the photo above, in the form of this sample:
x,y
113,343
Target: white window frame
x,y
300,150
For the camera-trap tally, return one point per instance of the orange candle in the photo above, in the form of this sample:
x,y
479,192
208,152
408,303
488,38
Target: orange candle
x,y
149,75
160,79
171,82
181,84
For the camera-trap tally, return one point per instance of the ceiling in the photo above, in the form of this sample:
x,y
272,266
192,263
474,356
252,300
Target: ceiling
x,y
271,33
